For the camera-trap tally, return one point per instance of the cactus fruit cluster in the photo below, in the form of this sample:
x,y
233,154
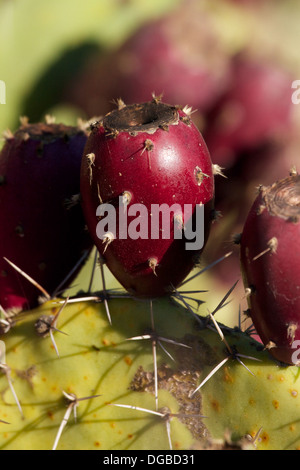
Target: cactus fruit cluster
x,y
111,369
205,54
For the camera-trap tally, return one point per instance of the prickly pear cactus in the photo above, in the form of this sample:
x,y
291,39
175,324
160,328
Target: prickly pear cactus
x,y
151,375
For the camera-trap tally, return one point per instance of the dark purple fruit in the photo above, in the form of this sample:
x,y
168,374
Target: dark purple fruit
x,y
42,226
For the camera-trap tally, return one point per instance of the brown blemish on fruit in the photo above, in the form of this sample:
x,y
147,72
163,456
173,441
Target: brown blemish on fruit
x,y
97,444
251,401
294,393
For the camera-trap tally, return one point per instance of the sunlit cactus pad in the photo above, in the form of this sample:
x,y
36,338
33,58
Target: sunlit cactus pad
x,y
90,365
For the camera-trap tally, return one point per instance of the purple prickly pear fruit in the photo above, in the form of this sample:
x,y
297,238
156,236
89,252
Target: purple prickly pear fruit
x,y
149,156
42,228
270,261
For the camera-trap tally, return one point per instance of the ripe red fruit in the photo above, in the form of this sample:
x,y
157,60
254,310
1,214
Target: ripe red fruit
x,y
270,261
42,228
180,55
255,110
148,154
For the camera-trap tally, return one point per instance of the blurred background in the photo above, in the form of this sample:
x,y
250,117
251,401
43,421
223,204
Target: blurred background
x,y
232,61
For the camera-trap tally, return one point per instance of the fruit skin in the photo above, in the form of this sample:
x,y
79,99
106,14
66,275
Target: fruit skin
x,y
41,232
273,224
164,162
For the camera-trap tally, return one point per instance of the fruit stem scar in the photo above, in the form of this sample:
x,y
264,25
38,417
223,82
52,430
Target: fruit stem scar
x,y
145,117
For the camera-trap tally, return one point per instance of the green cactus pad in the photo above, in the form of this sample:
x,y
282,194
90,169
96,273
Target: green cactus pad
x,y
100,360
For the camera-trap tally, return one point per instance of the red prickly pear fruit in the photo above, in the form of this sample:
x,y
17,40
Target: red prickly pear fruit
x,y
270,263
152,156
256,109
43,230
